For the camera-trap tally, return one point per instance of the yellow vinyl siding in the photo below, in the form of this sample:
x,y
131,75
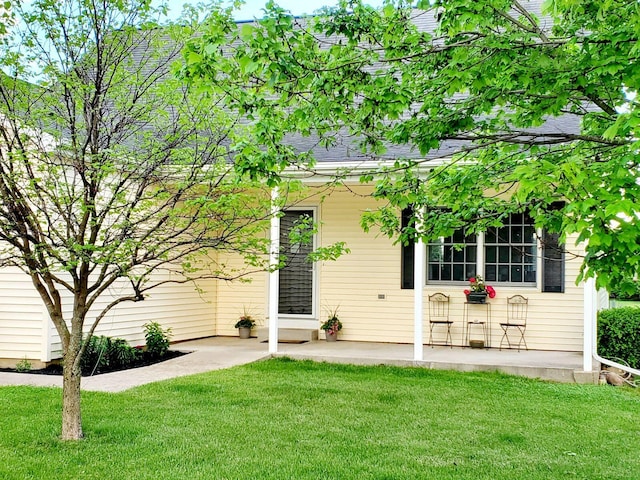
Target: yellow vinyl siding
x,y
25,328
354,281
21,319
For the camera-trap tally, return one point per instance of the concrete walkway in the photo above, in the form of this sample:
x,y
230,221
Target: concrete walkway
x,y
223,352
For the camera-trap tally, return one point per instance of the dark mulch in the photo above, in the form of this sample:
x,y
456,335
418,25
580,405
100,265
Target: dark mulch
x,y
144,361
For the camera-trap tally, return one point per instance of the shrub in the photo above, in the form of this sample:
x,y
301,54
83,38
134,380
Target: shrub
x,y
105,353
121,354
23,366
619,334
95,356
157,339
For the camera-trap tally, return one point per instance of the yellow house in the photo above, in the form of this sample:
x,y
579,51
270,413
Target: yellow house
x,y
380,289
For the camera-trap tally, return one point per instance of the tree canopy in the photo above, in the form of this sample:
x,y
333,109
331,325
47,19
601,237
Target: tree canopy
x,y
111,172
497,106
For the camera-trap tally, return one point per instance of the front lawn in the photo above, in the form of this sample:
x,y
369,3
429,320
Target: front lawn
x,y
281,419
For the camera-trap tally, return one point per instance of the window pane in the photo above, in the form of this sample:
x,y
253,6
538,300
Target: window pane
x,y
447,254
491,254
503,273
503,235
529,234
445,272
458,255
434,271
516,255
435,253
458,272
504,254
516,273
470,271
490,236
471,255
516,234
530,273
458,236
516,219
530,256
490,273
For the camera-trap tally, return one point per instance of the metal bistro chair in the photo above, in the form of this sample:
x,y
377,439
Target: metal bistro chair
x,y
439,315
516,319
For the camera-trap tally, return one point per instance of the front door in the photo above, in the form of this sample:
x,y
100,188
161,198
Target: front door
x,y
296,277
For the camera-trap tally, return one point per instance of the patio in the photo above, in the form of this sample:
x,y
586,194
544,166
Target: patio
x,y
214,353
547,365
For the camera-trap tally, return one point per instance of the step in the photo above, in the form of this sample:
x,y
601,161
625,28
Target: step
x,y
289,334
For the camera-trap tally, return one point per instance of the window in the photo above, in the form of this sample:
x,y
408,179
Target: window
x,y
452,258
508,254
511,251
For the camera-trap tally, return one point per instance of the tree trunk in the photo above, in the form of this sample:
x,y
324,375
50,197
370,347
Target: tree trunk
x,y
71,417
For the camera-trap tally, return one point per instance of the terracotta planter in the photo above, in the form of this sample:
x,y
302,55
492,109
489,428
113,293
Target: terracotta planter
x,y
477,297
244,332
331,337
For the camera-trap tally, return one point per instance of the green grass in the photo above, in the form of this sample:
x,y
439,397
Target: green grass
x,y
281,419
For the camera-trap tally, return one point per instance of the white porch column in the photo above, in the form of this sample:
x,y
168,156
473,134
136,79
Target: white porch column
x,y
590,315
274,275
418,302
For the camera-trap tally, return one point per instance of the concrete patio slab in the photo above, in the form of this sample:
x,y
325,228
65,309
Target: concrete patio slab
x,y
223,352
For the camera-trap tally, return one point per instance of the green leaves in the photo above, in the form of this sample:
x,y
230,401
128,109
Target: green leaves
x,y
525,108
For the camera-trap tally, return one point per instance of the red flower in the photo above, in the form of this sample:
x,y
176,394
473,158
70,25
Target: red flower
x,y
491,291
467,292
472,280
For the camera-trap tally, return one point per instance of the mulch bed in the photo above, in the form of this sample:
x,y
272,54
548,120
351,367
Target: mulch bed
x,y
55,369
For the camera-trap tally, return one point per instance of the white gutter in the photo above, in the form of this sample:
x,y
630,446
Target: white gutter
x,y
352,170
591,329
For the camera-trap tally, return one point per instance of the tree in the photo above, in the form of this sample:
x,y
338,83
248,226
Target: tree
x,y
110,170
505,106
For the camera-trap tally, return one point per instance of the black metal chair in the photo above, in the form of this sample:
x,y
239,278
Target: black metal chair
x,y
517,307
439,316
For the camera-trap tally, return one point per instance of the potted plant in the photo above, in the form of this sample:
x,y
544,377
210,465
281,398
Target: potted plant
x,y
478,291
331,326
244,325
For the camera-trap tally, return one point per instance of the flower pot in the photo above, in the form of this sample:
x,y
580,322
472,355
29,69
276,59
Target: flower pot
x,y
476,343
244,332
477,297
331,337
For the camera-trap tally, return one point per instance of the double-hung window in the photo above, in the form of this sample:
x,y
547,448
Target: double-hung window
x,y
510,252
452,258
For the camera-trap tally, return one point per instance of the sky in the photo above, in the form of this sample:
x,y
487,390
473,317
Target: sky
x,y
252,8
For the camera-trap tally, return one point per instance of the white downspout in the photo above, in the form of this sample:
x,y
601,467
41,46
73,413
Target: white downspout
x,y
274,275
418,301
591,328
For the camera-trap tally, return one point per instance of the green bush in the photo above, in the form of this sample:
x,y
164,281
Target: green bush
x,y
95,356
106,353
157,339
619,334
121,354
